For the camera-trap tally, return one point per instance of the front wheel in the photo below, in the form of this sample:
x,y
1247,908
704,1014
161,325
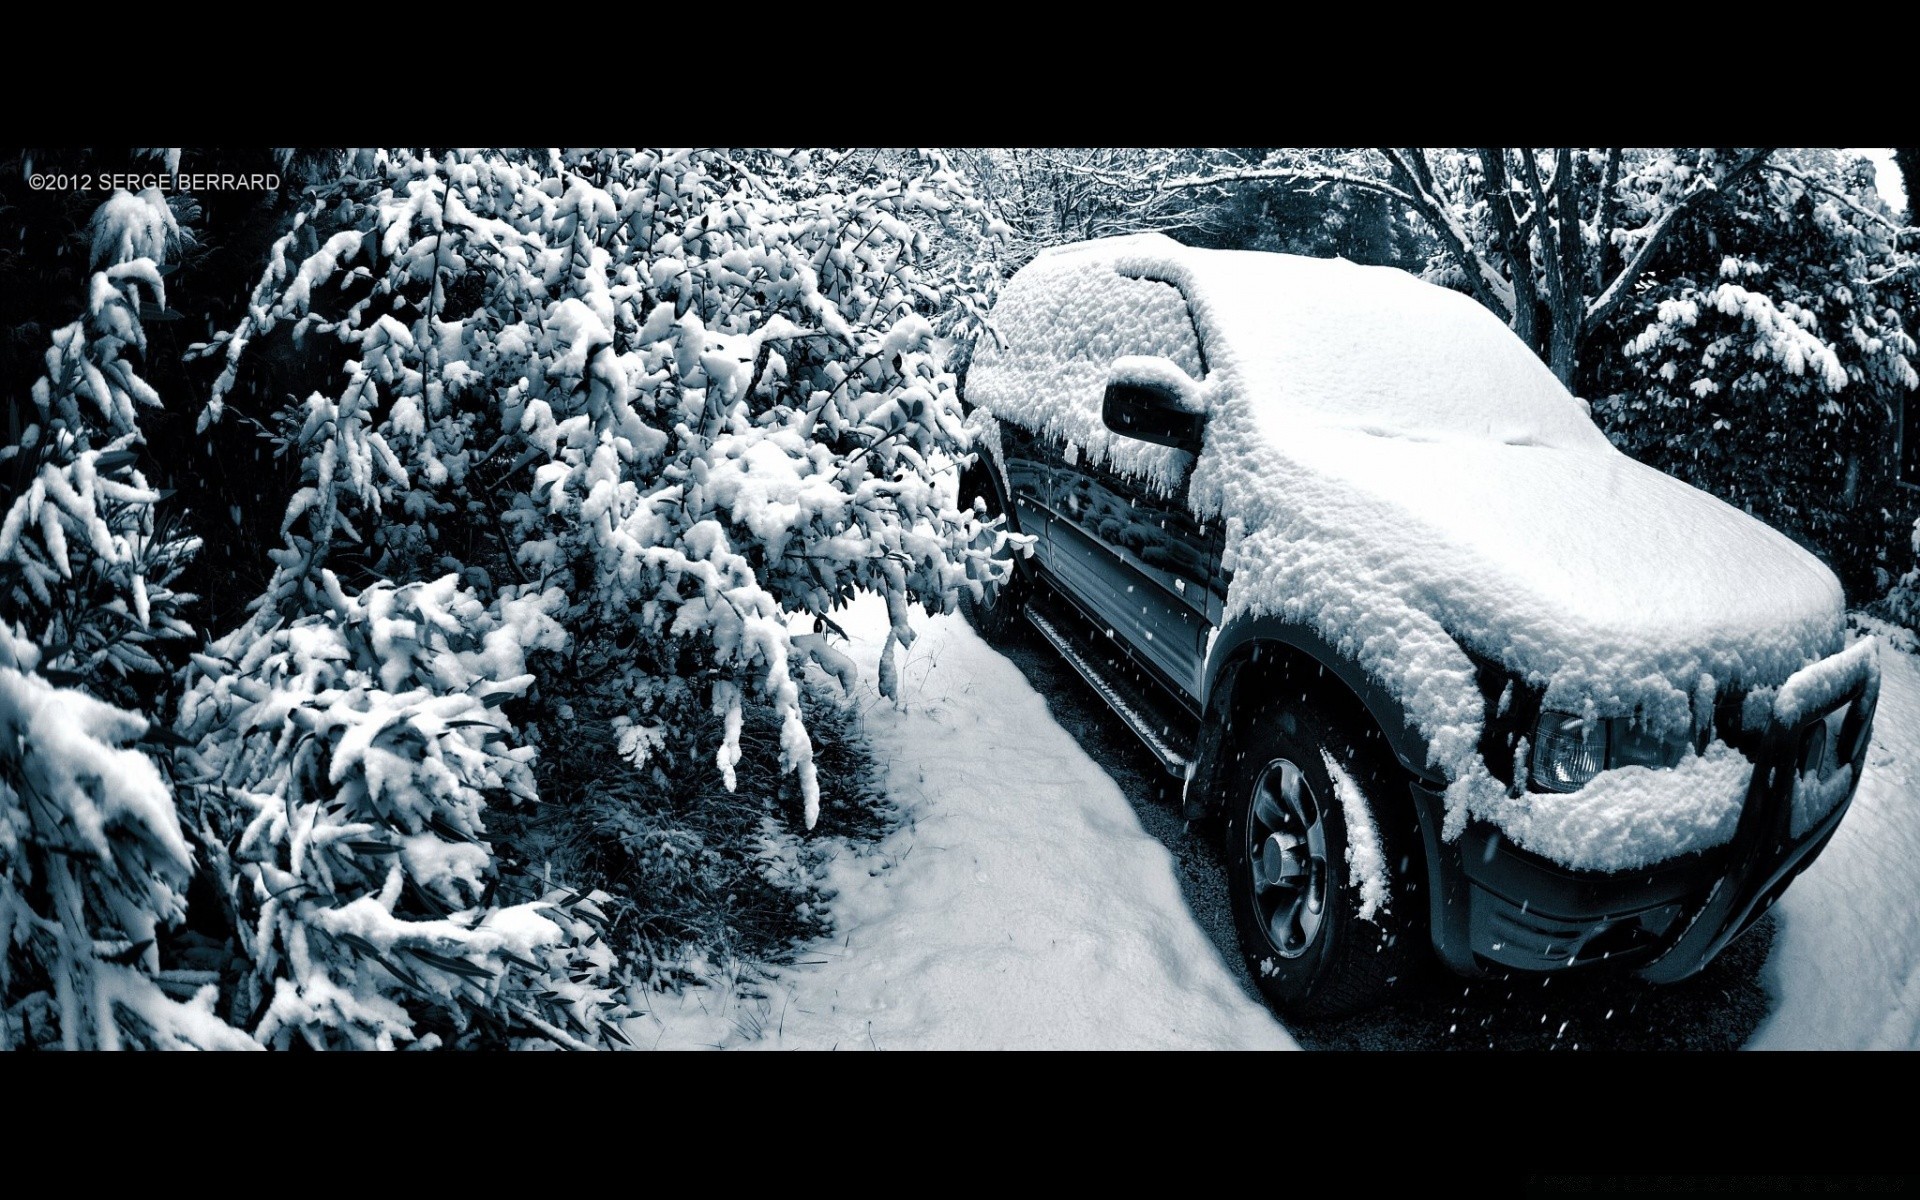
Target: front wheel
x,y
1318,869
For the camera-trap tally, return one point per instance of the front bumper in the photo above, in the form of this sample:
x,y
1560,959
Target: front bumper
x,y
1496,906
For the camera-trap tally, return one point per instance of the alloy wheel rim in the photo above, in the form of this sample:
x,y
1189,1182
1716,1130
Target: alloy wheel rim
x,y
1287,851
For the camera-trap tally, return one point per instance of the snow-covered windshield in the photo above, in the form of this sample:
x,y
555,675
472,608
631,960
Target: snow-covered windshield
x,y
1324,341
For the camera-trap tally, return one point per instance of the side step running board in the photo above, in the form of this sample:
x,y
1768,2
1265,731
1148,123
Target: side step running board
x,y
1143,725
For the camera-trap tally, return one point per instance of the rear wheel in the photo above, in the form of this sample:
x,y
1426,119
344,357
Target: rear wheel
x,y
1318,868
996,613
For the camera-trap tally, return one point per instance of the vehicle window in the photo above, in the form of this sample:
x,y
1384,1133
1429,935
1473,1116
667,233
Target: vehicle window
x,y
1062,321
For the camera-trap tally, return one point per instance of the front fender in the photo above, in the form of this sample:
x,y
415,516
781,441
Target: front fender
x,y
1242,638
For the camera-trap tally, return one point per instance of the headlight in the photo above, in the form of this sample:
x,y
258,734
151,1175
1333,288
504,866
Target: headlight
x,y
1567,751
1570,750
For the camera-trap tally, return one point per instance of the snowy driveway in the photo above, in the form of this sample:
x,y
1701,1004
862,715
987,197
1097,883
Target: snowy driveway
x,y
1021,905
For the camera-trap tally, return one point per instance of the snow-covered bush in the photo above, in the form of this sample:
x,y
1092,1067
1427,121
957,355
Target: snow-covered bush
x,y
701,392
346,760
92,864
84,565
699,875
1903,599
634,414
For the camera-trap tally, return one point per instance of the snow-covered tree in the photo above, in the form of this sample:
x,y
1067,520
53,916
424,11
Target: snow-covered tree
x,y
1054,195
1766,358
1738,315
93,865
1907,160
1552,241
1048,196
346,759
701,391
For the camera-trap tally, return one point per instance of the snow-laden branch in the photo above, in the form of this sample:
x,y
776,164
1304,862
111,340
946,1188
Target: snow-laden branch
x,y
1315,175
1814,185
1412,184
1655,234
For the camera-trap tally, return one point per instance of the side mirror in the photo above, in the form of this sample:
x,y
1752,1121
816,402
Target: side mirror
x,y
1155,401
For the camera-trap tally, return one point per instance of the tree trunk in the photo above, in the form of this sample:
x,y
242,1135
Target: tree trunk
x,y
1496,192
1907,158
1569,299
1563,357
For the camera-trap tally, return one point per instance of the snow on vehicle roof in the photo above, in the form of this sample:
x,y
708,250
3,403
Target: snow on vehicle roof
x,y
1396,469
1327,340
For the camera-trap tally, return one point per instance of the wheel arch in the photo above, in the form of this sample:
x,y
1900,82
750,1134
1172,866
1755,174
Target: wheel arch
x,y
1257,713
988,470
984,476
1267,656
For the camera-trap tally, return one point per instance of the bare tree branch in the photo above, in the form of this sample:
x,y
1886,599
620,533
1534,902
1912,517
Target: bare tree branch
x,y
1417,180
1288,175
1411,183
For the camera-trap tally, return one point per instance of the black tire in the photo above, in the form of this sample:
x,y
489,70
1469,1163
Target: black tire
x,y
1297,900
996,615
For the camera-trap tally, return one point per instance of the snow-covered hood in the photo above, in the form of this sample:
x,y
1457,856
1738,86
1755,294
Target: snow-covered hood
x,y
1392,445
1581,568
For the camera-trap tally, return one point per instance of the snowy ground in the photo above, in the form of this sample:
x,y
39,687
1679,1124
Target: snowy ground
x,y
1845,971
1021,905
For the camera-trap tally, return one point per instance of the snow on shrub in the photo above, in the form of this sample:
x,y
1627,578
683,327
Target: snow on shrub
x,y
1762,361
83,563
347,759
1903,601
700,391
632,412
92,864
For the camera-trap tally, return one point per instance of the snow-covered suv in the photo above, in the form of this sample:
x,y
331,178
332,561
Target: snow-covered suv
x,y
1448,668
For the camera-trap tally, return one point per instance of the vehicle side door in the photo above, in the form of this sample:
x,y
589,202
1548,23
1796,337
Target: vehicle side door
x,y
1130,552
1141,562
